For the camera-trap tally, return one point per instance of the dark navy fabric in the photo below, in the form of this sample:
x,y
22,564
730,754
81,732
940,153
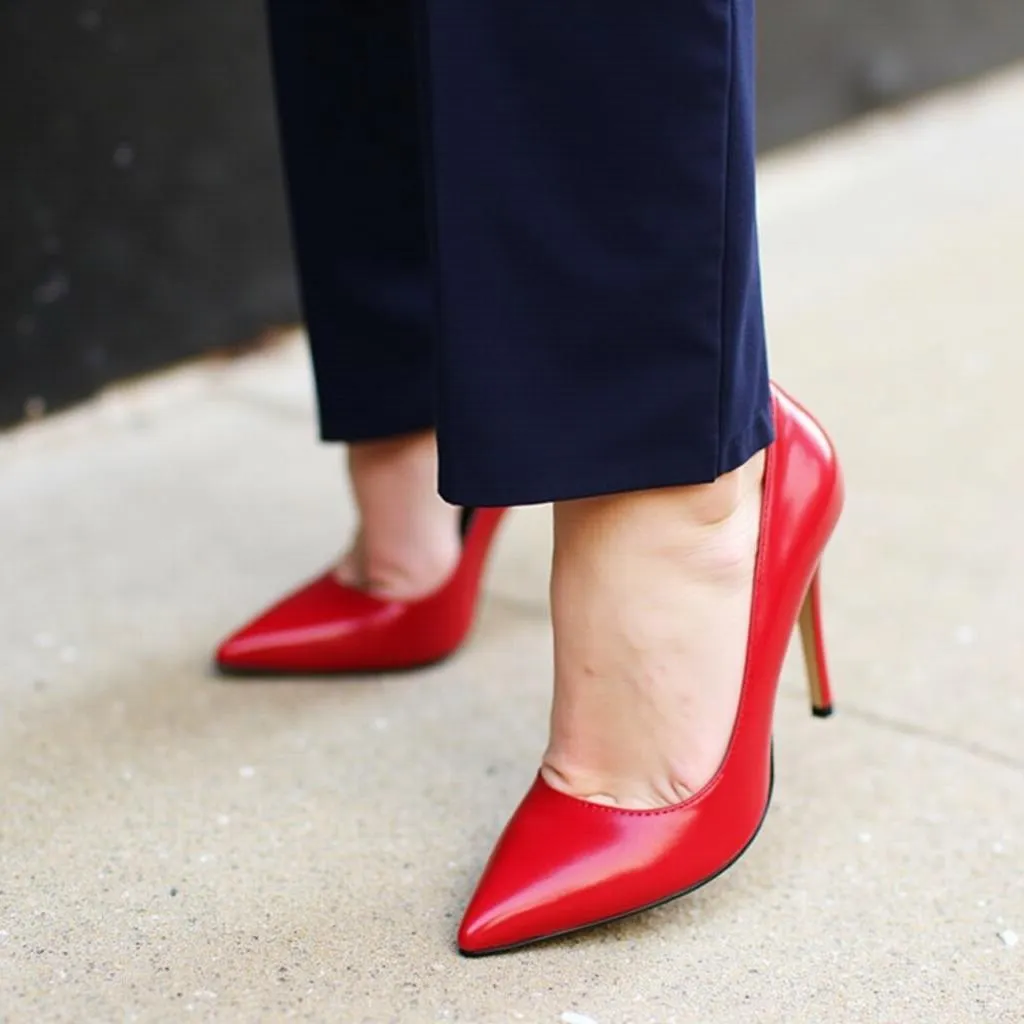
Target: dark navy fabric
x,y
530,223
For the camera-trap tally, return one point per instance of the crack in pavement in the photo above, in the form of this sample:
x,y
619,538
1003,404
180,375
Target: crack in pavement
x,y
942,739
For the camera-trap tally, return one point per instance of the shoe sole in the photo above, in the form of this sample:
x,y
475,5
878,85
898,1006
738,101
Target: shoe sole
x,y
267,674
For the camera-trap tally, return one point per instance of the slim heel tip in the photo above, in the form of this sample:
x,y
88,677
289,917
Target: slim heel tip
x,y
824,712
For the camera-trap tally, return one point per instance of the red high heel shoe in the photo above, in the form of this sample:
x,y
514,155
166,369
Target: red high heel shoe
x,y
326,627
562,863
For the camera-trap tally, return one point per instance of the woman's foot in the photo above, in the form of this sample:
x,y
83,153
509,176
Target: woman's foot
x,y
404,597
651,605
408,542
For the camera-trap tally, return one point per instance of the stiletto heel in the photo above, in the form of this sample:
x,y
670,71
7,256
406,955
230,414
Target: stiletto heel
x,y
562,863
325,627
813,638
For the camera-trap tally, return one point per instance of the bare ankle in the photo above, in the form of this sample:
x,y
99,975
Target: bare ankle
x,y
405,448
650,607
709,522
408,541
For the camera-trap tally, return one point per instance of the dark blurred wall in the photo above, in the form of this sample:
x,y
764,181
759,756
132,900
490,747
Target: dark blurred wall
x,y
140,197
824,61
141,210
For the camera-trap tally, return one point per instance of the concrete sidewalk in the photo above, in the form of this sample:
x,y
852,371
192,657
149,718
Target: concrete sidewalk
x,y
175,847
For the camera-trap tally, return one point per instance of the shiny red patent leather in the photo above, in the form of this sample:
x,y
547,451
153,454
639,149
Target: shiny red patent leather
x,y
326,627
563,863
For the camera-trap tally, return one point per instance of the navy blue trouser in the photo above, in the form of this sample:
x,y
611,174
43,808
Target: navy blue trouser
x,y
531,225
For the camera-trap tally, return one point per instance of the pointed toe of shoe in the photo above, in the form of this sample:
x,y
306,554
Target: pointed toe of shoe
x,y
564,864
482,934
235,653
499,919
322,627
477,937
560,865
255,649
525,892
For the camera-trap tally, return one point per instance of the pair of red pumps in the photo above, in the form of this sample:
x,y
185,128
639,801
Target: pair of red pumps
x,y
563,864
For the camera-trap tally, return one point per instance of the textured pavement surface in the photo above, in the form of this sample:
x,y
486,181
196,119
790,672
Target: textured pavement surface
x,y
176,847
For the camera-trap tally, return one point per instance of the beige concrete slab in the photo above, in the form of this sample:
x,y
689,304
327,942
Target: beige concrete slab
x,y
895,270
222,851
175,847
